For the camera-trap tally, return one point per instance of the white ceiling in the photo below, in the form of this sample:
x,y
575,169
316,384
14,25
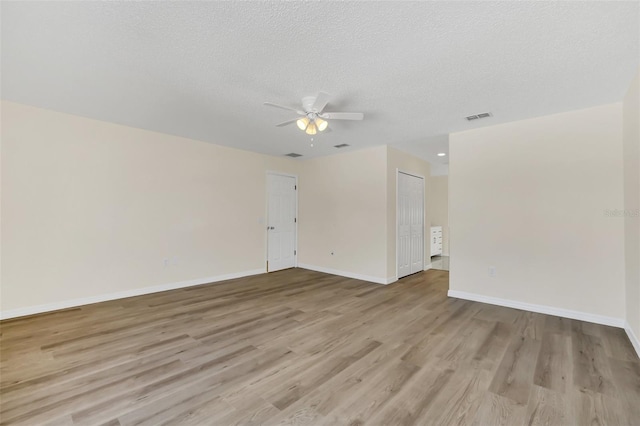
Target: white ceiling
x,y
203,69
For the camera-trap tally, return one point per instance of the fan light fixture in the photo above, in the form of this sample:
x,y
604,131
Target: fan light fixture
x,y
312,126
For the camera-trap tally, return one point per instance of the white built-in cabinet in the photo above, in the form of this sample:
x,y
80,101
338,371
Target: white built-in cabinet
x,y
436,240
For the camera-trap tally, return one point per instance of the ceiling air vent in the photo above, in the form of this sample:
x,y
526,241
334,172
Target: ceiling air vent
x,y
342,145
293,155
478,116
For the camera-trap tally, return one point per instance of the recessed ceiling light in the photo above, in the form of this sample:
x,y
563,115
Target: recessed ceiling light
x,y
441,154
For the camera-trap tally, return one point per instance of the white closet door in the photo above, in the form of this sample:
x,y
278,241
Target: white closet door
x,y
417,228
410,216
404,226
281,222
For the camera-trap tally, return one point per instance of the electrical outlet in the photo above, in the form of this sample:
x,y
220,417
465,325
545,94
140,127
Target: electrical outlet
x,y
492,271
166,262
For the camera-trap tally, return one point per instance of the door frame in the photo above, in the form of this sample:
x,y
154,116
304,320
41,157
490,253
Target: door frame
x,y
424,213
266,215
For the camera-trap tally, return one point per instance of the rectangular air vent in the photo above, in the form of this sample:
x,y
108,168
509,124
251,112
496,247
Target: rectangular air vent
x,y
342,145
477,116
293,155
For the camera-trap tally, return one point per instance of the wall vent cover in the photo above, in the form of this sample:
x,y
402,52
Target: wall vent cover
x,y
478,116
293,155
342,145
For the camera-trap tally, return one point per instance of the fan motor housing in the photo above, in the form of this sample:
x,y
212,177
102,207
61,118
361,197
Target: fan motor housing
x,y
307,103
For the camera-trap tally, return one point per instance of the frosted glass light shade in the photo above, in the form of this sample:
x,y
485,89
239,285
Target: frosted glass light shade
x,y
311,129
302,123
321,124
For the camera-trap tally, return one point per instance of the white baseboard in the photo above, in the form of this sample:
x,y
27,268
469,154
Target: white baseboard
x,y
634,339
428,266
32,310
376,280
542,309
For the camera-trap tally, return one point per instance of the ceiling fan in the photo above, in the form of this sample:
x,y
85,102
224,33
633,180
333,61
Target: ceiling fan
x,y
312,118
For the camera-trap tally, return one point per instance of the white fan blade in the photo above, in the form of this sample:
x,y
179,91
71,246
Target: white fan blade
x,y
321,101
284,107
342,115
284,123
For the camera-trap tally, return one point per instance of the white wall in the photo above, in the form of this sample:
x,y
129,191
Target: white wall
x,y
530,198
91,208
343,210
631,131
398,160
440,208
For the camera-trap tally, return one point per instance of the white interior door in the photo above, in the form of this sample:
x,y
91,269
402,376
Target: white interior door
x,y
410,217
404,226
417,228
281,222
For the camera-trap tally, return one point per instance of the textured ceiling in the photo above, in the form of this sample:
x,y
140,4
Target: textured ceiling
x,y
202,70
429,148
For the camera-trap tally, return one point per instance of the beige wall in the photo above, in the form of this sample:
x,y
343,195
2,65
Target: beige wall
x,y
440,208
348,207
343,210
631,132
92,208
398,160
529,198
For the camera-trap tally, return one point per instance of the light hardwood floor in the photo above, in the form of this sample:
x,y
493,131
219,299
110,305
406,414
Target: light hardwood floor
x,y
302,347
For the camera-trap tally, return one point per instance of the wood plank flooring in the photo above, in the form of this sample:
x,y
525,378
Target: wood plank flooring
x,y
302,347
